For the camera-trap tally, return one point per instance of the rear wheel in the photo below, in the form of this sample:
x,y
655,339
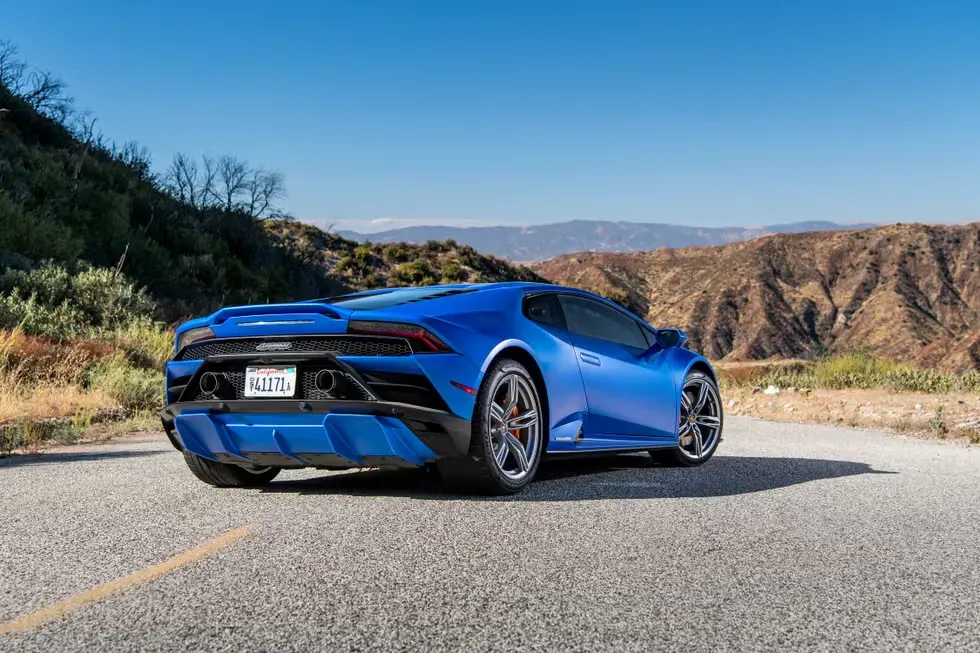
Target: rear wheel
x,y
700,426
508,434
224,475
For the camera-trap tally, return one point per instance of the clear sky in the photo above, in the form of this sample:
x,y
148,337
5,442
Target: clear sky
x,y
516,112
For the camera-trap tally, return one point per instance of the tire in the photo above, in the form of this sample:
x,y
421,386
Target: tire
x,y
494,465
224,475
705,421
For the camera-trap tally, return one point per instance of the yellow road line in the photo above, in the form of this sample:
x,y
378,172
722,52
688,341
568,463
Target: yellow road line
x,y
79,601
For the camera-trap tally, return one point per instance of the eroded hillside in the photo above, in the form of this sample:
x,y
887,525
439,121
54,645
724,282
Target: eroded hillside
x,y
910,292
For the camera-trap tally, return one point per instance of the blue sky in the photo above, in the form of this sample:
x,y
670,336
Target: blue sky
x,y
518,112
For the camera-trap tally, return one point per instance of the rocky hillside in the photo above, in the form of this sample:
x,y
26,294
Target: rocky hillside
x,y
540,242
909,292
361,266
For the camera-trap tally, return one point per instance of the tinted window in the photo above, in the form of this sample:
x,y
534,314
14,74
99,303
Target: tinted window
x,y
544,309
393,297
595,320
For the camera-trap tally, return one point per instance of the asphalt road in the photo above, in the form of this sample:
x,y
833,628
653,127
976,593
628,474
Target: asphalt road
x,y
791,537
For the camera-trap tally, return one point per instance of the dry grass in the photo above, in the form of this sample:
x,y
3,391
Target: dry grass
x,y
953,416
56,391
34,361
859,391
142,421
848,371
38,402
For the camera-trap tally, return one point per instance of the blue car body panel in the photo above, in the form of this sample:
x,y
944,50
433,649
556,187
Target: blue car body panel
x,y
599,395
357,440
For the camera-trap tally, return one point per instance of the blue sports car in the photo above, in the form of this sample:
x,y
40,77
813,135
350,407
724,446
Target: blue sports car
x,y
479,380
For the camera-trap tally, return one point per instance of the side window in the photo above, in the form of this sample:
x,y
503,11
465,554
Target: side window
x,y
595,320
650,338
544,309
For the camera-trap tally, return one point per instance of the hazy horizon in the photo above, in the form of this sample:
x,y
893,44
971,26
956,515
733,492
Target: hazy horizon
x,y
389,224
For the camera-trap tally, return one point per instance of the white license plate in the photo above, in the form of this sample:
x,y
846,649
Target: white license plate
x,y
270,381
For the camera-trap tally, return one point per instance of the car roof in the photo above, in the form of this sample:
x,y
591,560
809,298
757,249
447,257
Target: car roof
x,y
497,285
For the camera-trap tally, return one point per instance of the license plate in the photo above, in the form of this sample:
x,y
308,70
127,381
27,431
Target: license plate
x,y
270,381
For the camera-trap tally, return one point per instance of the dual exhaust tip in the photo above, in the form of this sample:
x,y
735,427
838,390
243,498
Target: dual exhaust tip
x,y
329,381
210,382
325,381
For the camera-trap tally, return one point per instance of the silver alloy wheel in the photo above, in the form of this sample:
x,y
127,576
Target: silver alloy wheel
x,y
513,420
700,425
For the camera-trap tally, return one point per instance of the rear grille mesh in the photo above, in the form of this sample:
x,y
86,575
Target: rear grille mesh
x,y
306,388
336,345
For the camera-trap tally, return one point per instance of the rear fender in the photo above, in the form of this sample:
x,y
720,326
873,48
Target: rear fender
x,y
681,361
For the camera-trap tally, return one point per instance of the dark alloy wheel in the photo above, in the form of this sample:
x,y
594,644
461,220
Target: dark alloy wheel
x,y
509,434
224,475
701,421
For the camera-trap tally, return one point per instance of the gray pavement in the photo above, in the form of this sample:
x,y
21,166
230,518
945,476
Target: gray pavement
x,y
792,537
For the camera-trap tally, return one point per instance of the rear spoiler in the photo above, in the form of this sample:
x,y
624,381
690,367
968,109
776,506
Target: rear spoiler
x,y
260,310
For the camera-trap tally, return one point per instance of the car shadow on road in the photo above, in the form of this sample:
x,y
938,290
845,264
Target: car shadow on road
x,y
608,477
18,460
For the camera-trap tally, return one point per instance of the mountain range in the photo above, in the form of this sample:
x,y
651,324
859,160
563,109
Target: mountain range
x,y
541,242
909,292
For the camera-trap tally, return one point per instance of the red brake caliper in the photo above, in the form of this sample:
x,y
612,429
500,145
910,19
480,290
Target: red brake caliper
x,y
516,432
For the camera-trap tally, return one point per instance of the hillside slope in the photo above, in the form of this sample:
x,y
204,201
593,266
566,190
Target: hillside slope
x,y
362,266
909,292
540,242
74,203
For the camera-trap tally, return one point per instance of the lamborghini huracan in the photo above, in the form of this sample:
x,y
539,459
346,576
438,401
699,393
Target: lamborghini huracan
x,y
479,381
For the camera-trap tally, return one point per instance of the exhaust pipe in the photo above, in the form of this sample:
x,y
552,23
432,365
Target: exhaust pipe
x,y
328,381
209,383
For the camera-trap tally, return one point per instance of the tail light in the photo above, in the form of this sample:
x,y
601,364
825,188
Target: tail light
x,y
194,335
421,340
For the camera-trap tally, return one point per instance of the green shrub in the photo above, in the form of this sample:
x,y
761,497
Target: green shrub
x,y
396,254
452,273
59,321
937,424
35,235
50,301
345,264
362,254
469,258
413,273
133,388
146,343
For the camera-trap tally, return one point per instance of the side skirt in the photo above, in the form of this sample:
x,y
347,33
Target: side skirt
x,y
609,450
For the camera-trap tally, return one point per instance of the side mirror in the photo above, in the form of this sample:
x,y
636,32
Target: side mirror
x,y
672,337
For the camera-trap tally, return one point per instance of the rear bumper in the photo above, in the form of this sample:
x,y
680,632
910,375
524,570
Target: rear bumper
x,y
328,433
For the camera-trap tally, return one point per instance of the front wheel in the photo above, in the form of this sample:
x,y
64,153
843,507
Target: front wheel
x,y
701,421
508,435
224,475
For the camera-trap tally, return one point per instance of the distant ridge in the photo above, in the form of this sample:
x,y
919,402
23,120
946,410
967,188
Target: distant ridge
x,y
541,242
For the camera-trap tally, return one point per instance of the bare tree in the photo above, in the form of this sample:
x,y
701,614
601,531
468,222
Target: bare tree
x,y
86,135
137,157
226,183
233,176
46,94
12,69
209,181
182,179
263,189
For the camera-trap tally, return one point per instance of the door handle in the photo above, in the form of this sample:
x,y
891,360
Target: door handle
x,y
590,359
